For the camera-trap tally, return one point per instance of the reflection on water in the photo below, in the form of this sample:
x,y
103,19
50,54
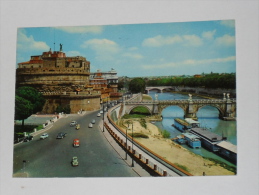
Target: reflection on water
x,y
207,116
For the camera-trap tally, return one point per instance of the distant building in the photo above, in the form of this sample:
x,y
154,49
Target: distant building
x,y
106,82
63,81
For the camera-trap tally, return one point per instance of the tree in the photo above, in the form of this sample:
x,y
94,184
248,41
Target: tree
x,y
137,85
23,109
32,95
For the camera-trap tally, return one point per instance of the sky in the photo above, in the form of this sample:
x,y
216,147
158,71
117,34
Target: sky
x,y
139,50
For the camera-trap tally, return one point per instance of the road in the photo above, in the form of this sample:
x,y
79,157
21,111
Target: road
x,y
52,157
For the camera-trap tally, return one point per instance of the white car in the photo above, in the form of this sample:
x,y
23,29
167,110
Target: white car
x,y
73,123
98,114
101,112
90,125
44,136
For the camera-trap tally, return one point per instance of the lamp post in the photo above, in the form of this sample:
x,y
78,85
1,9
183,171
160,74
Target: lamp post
x,y
24,162
103,116
126,141
132,146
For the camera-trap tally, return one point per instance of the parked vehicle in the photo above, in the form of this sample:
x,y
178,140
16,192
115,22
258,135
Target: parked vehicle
x,y
76,143
77,126
61,135
90,125
44,136
93,121
28,138
75,161
73,123
98,114
101,112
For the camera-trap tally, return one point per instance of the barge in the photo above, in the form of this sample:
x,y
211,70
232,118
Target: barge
x,y
209,139
185,124
190,139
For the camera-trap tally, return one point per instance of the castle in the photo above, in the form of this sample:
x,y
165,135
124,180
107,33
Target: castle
x,y
62,80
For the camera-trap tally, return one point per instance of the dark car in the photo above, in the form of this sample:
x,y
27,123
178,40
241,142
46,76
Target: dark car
x,y
28,138
61,135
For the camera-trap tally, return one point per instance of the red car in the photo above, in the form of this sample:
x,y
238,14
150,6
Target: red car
x,y
76,143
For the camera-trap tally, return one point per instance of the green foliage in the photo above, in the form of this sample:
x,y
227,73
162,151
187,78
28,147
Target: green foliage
x,y
39,127
129,116
213,80
140,110
32,95
137,85
23,108
182,167
138,135
66,109
166,134
143,123
222,164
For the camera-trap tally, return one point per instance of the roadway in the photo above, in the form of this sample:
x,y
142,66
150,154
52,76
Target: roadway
x,y
52,157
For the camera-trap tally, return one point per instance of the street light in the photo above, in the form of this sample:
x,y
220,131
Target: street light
x,y
126,141
24,161
132,146
103,116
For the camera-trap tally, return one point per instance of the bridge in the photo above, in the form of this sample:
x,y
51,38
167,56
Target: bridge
x,y
160,88
225,106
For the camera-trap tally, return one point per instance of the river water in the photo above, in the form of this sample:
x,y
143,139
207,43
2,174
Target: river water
x,y
207,116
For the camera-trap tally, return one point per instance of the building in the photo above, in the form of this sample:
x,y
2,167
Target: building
x,y
63,81
106,82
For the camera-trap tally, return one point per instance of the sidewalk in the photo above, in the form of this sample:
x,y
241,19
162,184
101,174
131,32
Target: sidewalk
x,y
137,168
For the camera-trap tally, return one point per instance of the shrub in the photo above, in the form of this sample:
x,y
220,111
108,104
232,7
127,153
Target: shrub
x,y
166,134
182,167
143,123
136,135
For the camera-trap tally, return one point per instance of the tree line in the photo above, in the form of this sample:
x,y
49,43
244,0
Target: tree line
x,y
213,80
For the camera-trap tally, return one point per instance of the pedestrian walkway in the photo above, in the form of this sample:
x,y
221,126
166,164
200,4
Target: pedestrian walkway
x,y
137,168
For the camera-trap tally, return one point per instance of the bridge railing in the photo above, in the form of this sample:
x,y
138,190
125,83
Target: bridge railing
x,y
180,101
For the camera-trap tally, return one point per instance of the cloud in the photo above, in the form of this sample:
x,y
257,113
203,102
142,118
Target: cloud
x,y
208,34
228,23
226,40
105,49
81,29
159,40
101,45
191,62
73,53
134,56
192,40
25,43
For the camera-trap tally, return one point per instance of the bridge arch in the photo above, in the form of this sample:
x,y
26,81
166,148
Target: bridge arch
x,y
221,112
135,106
176,108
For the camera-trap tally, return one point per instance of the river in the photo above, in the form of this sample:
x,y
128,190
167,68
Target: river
x,y
207,116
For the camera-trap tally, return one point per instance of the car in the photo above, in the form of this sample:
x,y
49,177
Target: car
x,y
98,114
28,138
44,136
76,142
73,123
101,112
93,121
75,161
61,135
90,125
77,126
